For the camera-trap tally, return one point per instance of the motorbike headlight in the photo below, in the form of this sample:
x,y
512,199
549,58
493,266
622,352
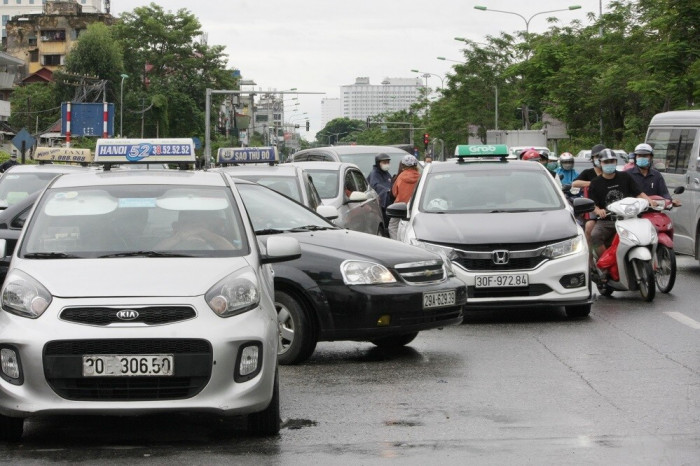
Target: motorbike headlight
x,y
447,254
24,296
365,273
234,294
627,235
564,248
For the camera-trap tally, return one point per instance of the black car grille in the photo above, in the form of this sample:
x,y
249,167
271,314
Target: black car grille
x,y
147,315
524,292
63,370
521,263
421,272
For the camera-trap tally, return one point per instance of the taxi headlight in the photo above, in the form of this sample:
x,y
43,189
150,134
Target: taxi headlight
x,y
235,294
24,296
365,273
448,254
564,248
627,235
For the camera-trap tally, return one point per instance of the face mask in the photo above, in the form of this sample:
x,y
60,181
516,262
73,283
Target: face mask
x,y
609,168
384,166
642,162
596,162
567,166
551,166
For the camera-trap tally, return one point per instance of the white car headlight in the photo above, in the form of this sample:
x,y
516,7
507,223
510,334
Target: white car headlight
x,y
564,248
24,296
365,273
627,235
234,294
447,254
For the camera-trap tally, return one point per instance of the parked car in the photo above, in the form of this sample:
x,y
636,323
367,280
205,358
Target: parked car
x,y
362,156
12,221
349,285
20,181
343,186
133,292
675,137
507,228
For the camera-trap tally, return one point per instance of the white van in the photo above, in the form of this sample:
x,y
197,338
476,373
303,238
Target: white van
x,y
675,137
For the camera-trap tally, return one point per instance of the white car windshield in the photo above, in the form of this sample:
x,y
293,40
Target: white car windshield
x,y
502,190
135,220
272,213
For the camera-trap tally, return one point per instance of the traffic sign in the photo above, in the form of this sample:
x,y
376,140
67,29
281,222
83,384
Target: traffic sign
x,y
23,136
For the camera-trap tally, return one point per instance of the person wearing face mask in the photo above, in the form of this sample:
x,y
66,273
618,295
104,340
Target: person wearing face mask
x,y
379,179
566,172
611,186
546,159
649,179
583,180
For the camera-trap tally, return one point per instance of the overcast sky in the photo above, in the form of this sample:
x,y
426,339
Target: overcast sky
x,y
319,45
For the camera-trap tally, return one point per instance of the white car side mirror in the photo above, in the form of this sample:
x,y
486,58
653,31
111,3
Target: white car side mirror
x,y
327,211
357,196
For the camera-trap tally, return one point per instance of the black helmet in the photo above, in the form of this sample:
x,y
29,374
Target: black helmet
x,y
380,157
596,150
607,154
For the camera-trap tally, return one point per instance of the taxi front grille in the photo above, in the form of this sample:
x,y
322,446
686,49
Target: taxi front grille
x,y
154,315
421,272
521,263
63,369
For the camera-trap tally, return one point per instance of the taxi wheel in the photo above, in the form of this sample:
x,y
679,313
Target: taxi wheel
x,y
395,341
297,338
11,428
267,421
579,310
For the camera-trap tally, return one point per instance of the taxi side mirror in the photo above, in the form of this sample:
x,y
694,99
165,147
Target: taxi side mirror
x,y
328,212
281,249
398,210
3,248
583,205
357,196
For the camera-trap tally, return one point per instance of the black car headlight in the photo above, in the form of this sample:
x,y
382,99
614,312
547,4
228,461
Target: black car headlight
x,y
365,273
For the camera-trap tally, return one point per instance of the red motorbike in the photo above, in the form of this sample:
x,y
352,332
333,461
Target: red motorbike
x,y
665,260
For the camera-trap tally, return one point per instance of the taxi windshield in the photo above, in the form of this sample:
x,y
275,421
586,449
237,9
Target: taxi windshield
x,y
286,185
502,190
135,220
16,186
271,213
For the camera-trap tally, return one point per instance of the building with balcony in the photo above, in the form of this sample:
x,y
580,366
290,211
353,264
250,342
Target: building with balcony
x,y
362,99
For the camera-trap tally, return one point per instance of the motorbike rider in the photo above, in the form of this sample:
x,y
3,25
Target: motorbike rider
x,y
649,179
611,186
379,179
583,181
543,157
566,172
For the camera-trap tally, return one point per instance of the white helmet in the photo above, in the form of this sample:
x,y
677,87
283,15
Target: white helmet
x,y
643,149
566,160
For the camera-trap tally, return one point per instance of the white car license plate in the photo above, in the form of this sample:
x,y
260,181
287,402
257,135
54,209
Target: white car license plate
x,y
117,365
438,299
502,281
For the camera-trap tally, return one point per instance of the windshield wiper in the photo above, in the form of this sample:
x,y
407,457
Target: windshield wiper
x,y
268,231
51,255
311,228
144,254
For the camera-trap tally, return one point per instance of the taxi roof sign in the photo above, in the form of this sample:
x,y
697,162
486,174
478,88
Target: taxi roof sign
x,y
124,151
477,150
63,154
247,155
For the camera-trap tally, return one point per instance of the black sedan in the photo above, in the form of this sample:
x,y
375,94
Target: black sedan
x,y
11,222
349,285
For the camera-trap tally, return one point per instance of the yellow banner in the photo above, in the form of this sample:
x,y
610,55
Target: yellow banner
x,y
63,154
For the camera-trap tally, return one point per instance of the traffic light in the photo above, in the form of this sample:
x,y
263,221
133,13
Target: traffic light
x,y
426,139
307,125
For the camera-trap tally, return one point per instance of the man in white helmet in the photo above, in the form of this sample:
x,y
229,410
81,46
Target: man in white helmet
x,y
649,179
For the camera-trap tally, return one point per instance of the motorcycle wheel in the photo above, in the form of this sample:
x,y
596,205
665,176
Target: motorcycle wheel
x,y
647,282
666,273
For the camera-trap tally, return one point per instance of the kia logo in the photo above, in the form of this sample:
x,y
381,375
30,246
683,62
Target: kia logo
x,y
500,257
127,314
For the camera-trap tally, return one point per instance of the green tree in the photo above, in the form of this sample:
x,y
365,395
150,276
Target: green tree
x,y
337,129
96,54
34,106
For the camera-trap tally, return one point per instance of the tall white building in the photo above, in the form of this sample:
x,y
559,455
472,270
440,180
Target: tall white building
x,y
10,8
362,99
330,110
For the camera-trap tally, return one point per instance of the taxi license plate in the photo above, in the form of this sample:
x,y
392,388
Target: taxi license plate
x,y
502,281
438,299
117,365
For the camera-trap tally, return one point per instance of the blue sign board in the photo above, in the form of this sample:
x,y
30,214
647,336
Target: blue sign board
x,y
145,150
23,136
87,119
246,155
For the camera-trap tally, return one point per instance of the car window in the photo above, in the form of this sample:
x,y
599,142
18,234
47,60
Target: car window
x,y
287,185
18,222
504,190
270,211
311,192
300,157
326,182
672,148
90,222
16,186
349,183
360,181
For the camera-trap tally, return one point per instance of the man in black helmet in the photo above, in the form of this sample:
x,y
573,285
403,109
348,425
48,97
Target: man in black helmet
x,y
379,179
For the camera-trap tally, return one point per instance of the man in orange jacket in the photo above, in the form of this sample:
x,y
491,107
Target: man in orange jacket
x,y
403,187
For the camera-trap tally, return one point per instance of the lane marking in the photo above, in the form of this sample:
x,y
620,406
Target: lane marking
x,y
684,319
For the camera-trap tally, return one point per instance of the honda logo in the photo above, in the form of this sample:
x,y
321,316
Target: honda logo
x,y
127,314
500,257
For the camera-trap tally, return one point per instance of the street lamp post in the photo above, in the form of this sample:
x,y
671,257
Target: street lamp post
x,y
426,75
121,106
527,35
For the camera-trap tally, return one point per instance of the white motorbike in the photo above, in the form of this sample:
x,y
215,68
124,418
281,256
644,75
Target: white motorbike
x,y
632,265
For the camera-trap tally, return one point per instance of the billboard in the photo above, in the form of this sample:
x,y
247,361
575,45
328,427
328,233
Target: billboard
x,y
87,119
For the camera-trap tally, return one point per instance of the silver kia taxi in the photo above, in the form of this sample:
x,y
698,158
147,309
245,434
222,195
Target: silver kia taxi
x,y
140,291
